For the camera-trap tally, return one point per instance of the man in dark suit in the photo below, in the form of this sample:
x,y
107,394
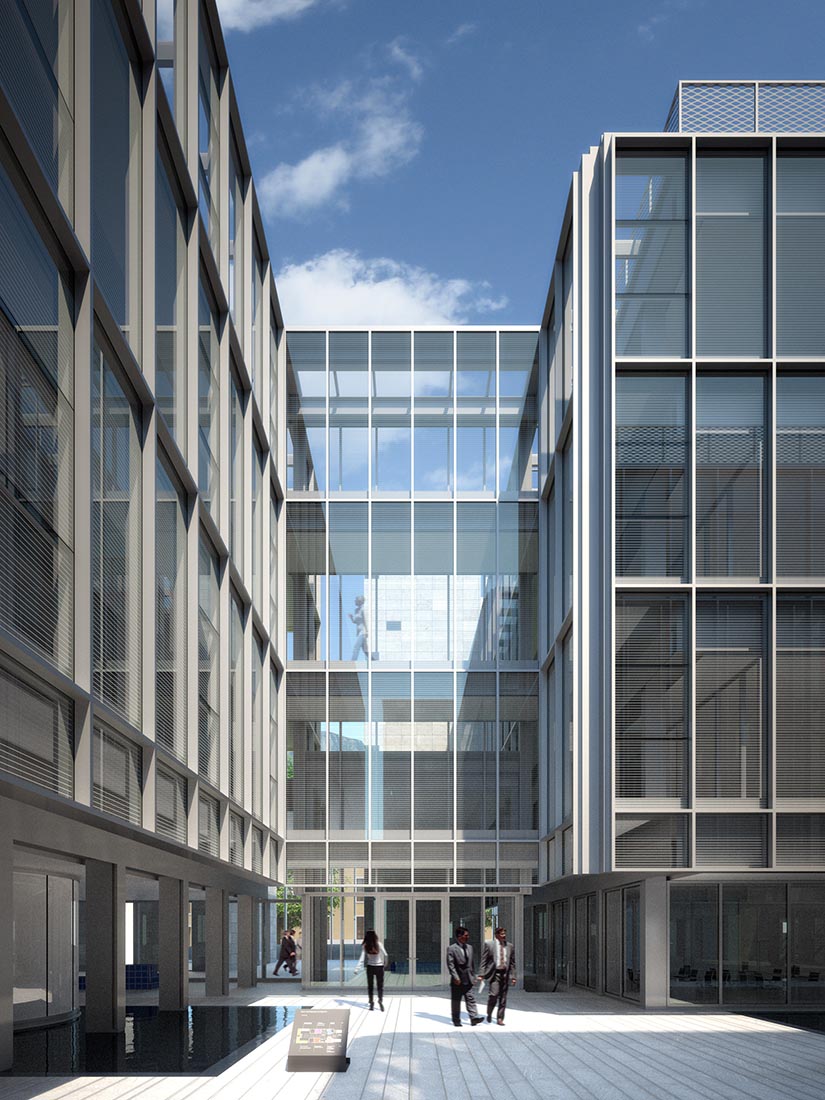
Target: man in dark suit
x,y
498,967
287,956
462,977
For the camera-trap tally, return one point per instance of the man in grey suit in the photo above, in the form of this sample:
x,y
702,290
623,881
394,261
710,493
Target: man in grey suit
x,y
498,967
462,977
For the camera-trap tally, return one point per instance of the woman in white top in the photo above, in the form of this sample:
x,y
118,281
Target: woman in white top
x,y
374,955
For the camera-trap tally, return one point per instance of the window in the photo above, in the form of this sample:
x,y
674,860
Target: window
x,y
348,703
117,773
730,475
518,425
800,696
115,171
170,305
800,475
37,450
518,582
171,605
208,664
391,412
306,359
171,804
306,607
349,383
236,700
651,697
236,474
730,719
476,412
434,591
208,401
117,524
306,803
731,255
208,130
651,274
652,455
800,246
209,816
36,732
236,241
433,389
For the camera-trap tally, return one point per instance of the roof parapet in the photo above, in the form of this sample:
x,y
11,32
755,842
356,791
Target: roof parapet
x,y
747,106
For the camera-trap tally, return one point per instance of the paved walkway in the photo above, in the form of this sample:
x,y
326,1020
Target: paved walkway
x,y
567,1046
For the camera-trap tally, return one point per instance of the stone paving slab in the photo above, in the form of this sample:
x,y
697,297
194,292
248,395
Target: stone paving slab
x,y
567,1046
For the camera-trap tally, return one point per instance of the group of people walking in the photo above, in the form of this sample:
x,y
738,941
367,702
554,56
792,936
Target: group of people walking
x,y
498,968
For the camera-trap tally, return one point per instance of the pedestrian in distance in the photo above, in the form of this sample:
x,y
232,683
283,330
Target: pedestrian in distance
x,y
375,957
498,967
287,956
462,977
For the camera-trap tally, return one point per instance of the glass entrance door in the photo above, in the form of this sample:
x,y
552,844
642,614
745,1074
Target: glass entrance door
x,y
414,941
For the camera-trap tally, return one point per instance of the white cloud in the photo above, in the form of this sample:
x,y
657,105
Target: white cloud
x,y
403,56
246,15
343,288
384,137
667,9
463,30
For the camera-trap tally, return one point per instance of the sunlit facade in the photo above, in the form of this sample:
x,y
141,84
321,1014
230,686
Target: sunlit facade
x,y
682,477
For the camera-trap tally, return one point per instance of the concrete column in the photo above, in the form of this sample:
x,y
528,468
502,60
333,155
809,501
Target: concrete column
x,y
6,937
173,967
105,947
247,941
217,942
654,942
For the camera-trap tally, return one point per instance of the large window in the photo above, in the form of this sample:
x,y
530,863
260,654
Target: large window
x,y
348,410
236,241
306,359
731,255
800,248
800,475
115,171
390,757
518,811
518,425
36,440
651,255
800,696
237,695
208,401
306,600
730,710
651,697
476,412
391,412
652,456
208,664
730,475
171,605
391,583
208,130
170,306
518,582
348,703
475,582
434,596
476,753
306,803
433,745
237,481
116,533
433,390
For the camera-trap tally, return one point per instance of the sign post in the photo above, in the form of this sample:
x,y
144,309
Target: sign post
x,y
319,1041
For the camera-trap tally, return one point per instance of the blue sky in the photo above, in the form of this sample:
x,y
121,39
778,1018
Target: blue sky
x,y
413,158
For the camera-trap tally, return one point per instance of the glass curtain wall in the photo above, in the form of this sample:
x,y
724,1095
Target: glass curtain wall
x,y
171,605
208,400
170,304
424,723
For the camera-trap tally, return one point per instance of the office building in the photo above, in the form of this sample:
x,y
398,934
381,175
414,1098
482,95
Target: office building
x,y
400,627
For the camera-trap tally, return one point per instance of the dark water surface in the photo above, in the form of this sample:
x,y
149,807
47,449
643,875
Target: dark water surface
x,y
203,1039
807,1021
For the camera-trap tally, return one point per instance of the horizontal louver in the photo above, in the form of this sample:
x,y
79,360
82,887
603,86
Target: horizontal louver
x,y
730,644
800,248
348,855
724,840
170,808
236,840
731,254
118,776
800,840
660,841
36,734
800,697
651,697
208,825
651,477
36,515
730,464
257,851
800,474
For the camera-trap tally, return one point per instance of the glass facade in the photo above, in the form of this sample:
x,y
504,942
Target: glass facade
x,y
403,576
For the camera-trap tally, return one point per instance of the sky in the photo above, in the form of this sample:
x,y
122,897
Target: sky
x,y
413,158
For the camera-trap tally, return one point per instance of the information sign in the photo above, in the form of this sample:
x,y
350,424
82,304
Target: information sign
x,y
319,1041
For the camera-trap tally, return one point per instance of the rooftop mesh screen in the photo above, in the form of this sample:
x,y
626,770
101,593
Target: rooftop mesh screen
x,y
748,107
